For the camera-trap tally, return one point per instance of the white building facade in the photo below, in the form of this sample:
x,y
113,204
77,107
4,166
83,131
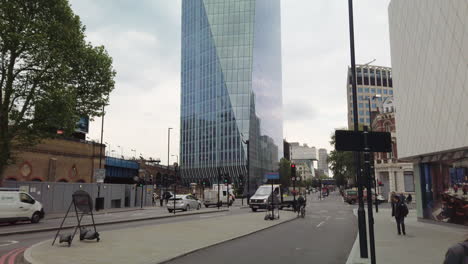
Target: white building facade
x,y
429,48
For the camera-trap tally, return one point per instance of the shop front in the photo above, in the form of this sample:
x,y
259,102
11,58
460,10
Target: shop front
x,y
444,188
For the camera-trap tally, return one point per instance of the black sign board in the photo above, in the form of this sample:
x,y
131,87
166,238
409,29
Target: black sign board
x,y
82,201
346,140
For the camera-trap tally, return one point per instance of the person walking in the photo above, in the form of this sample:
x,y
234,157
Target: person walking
x,y
409,199
401,211
457,254
393,201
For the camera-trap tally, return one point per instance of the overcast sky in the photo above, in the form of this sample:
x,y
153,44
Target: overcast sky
x,y
143,38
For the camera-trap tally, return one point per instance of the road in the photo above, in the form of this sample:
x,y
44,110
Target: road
x,y
8,244
325,235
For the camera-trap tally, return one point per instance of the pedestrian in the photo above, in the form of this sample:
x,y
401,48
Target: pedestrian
x,y
161,199
393,201
409,198
457,254
401,211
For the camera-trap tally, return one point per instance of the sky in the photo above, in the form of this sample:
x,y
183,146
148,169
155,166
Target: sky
x,y
143,38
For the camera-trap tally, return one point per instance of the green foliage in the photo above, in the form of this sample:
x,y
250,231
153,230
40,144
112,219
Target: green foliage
x,y
285,172
49,75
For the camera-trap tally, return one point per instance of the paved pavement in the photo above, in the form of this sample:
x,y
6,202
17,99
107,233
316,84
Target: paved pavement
x,y
424,242
113,215
155,243
11,243
326,235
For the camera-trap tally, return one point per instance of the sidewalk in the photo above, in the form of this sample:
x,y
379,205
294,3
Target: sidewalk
x,y
153,244
105,211
424,242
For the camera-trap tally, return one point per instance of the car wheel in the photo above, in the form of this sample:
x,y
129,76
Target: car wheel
x,y
170,211
199,207
254,209
207,206
35,218
187,208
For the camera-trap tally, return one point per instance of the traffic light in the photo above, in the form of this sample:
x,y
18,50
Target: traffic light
x,y
293,170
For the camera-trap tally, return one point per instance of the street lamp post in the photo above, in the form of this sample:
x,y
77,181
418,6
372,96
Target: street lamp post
x,y
168,151
248,169
357,156
372,170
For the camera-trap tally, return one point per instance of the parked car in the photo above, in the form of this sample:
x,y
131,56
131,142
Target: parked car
x,y
19,206
185,202
350,196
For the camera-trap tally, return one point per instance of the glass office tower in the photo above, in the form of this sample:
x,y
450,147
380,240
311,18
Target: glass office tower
x,y
231,89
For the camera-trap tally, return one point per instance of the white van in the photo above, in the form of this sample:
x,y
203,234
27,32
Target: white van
x,y
19,206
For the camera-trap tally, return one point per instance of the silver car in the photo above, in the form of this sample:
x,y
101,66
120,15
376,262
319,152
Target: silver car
x,y
184,202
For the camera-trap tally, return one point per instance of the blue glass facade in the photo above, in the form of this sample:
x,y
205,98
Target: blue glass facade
x,y
230,88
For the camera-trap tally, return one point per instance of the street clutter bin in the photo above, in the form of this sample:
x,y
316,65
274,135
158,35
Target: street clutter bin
x,y
99,203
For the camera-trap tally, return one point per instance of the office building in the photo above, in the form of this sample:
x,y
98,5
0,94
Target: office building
x,y
371,81
429,48
323,160
230,89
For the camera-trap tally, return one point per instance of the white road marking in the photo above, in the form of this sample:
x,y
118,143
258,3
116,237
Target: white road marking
x,y
321,223
340,218
7,243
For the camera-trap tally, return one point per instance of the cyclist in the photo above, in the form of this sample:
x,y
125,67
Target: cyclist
x,y
301,202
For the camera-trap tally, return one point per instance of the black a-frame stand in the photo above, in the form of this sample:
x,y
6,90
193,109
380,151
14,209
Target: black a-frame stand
x,y
82,203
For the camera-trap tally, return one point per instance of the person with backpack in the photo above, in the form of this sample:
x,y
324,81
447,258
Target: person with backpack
x,y
401,211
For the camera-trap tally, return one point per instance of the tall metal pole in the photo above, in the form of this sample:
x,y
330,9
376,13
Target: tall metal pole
x,y
372,172
227,177
357,156
219,176
100,150
168,150
175,187
370,215
248,171
102,136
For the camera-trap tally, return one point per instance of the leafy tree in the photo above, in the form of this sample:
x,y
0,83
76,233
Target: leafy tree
x,y
49,75
285,172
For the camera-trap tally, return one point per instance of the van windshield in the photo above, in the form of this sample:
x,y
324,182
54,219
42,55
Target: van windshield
x,y
265,190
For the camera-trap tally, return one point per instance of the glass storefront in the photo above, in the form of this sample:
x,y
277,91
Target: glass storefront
x,y
444,189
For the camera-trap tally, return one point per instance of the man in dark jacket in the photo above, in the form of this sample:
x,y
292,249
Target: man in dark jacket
x,y
401,211
457,254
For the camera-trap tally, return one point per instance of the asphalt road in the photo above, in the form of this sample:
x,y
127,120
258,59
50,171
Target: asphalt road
x,y
8,244
325,235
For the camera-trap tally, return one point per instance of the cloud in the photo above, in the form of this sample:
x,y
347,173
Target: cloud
x,y
143,37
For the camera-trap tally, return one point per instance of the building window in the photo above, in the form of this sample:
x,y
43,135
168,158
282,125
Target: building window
x,y
379,91
361,120
366,90
361,105
361,112
368,120
385,91
360,90
390,92
409,181
372,90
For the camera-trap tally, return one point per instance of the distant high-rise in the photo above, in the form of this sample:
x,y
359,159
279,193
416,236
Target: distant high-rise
x,y
323,160
371,81
231,89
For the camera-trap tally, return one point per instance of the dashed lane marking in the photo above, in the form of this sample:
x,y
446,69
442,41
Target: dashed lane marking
x,y
321,223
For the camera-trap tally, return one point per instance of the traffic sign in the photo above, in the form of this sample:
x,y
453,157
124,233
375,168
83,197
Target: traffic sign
x,y
346,140
272,176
